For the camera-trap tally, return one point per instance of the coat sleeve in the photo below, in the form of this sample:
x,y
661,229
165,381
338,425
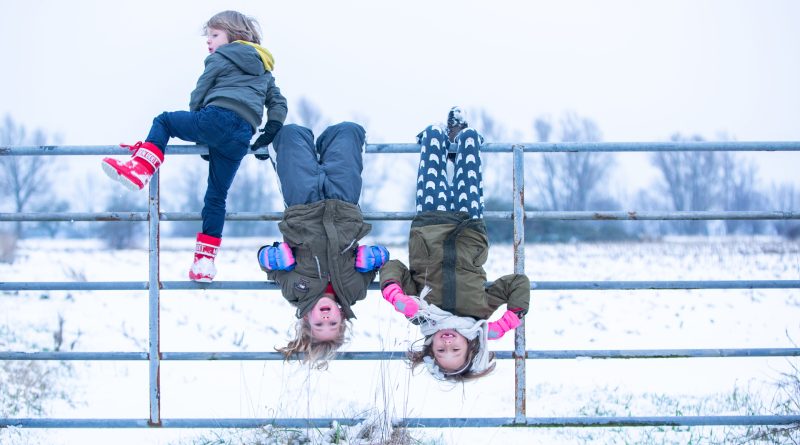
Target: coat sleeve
x,y
396,271
275,103
514,290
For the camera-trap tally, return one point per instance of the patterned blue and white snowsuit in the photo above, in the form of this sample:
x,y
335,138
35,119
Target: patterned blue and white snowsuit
x,y
434,192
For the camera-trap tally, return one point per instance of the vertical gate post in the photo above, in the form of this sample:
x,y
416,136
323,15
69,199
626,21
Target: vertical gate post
x,y
519,267
153,300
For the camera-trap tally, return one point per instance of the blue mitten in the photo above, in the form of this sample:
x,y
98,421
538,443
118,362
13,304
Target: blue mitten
x,y
278,256
369,258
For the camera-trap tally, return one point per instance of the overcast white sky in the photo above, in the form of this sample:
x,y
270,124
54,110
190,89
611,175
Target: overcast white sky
x,y
97,72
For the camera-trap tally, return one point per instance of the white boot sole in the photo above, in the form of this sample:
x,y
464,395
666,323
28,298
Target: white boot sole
x,y
112,173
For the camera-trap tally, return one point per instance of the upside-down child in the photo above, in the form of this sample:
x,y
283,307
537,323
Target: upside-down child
x,y
226,107
321,268
443,289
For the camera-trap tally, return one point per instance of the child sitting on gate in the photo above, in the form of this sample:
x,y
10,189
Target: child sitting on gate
x,y
226,108
443,290
319,265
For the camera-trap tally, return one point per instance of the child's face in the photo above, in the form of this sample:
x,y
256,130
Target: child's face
x,y
325,319
216,38
449,349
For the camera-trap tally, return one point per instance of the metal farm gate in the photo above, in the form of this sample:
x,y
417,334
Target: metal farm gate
x,y
154,356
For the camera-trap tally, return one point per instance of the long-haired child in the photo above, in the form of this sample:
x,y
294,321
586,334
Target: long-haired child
x,y
321,268
443,289
226,107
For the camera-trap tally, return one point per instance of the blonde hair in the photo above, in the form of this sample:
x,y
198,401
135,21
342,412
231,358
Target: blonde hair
x,y
315,352
237,25
415,357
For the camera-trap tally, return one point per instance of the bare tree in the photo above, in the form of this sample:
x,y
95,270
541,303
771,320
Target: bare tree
x,y
487,125
253,190
190,188
691,180
570,181
739,192
124,234
786,198
24,178
543,128
497,167
310,116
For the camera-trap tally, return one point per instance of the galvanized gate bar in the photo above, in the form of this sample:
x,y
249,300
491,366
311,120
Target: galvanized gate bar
x,y
665,285
531,354
518,215
423,422
536,285
615,215
498,147
518,191
620,215
154,307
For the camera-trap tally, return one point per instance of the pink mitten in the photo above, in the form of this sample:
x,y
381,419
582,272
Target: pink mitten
x,y
402,303
507,322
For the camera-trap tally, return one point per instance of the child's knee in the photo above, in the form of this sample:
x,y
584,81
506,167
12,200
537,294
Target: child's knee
x,y
292,134
289,130
349,127
469,137
162,119
431,133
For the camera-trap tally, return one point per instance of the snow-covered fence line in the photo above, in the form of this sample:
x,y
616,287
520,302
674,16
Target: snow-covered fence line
x,y
497,147
518,215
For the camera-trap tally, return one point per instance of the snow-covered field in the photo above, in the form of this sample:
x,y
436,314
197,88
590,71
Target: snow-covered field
x,y
200,320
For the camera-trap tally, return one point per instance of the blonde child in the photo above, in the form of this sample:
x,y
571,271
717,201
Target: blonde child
x,y
226,108
320,266
442,291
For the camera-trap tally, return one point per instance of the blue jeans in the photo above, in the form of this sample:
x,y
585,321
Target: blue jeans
x,y
331,169
227,136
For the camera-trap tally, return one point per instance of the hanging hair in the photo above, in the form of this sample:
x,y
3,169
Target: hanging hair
x,y
237,25
416,357
314,352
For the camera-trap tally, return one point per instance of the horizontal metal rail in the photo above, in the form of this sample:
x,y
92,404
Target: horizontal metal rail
x,y
579,354
423,422
665,285
265,285
154,356
498,147
616,215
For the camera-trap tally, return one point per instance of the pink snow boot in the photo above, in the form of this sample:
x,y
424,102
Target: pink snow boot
x,y
203,269
136,173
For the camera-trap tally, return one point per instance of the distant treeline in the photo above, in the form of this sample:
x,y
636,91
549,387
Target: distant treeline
x,y
688,181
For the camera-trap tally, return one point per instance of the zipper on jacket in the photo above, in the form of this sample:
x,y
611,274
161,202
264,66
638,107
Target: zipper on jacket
x,y
348,247
319,269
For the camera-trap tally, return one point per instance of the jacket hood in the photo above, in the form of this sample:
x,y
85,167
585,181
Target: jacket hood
x,y
304,307
432,319
241,54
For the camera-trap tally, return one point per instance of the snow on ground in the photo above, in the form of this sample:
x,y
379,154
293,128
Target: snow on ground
x,y
199,320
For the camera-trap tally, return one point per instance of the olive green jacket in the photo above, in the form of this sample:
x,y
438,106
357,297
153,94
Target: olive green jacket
x,y
323,236
446,252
